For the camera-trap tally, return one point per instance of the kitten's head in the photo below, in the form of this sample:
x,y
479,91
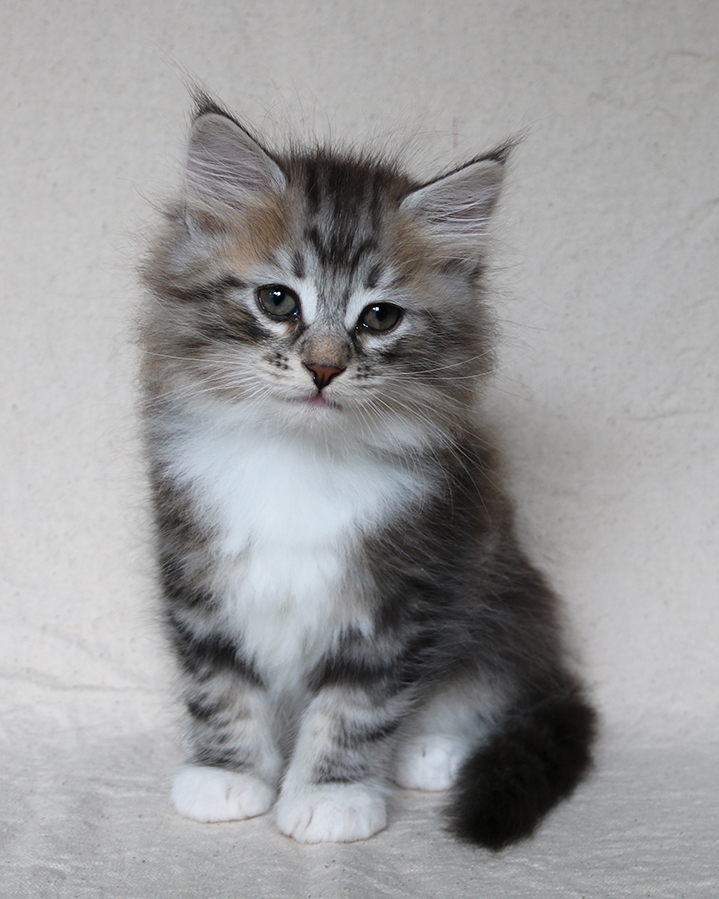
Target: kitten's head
x,y
322,292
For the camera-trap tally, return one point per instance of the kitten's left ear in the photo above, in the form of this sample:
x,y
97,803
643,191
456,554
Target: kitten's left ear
x,y
458,206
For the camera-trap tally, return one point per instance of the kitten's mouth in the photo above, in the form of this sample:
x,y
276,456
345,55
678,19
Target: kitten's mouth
x,y
320,401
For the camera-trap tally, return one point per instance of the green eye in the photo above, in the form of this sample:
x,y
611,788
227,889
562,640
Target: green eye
x,y
278,301
380,317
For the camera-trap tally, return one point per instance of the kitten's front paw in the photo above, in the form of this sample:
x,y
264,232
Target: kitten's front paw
x,y
214,794
332,813
428,763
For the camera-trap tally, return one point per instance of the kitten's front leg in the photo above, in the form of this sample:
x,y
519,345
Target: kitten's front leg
x,y
334,789
234,763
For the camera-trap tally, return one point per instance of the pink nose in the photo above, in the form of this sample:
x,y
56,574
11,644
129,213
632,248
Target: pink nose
x,y
322,373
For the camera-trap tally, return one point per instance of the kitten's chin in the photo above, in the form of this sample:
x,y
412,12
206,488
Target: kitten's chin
x,y
348,425
308,413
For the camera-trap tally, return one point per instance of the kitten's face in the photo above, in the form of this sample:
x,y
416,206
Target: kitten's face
x,y
322,293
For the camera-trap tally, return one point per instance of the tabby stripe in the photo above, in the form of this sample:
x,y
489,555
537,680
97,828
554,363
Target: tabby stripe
x,y
340,772
356,735
206,293
217,758
203,656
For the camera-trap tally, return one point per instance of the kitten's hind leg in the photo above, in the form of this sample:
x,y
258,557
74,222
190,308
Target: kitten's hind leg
x,y
441,735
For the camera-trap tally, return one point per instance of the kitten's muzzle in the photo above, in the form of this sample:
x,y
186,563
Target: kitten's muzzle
x,y
322,373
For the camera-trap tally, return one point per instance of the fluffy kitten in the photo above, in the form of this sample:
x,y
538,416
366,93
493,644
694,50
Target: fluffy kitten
x,y
342,584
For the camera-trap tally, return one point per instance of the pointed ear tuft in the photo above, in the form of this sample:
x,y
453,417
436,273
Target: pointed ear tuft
x,y
458,206
226,165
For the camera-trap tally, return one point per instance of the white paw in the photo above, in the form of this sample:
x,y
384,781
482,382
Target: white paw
x,y
213,794
429,763
332,813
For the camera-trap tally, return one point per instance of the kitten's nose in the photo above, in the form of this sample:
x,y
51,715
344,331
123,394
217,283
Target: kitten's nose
x,y
322,373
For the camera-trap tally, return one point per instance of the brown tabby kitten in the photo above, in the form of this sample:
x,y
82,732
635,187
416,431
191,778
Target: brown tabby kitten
x,y
342,584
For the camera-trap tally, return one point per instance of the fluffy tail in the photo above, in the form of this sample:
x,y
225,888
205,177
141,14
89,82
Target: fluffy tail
x,y
531,763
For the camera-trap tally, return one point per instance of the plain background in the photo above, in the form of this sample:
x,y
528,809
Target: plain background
x,y
606,394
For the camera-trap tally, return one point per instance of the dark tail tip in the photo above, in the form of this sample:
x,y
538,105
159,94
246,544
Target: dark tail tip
x,y
527,767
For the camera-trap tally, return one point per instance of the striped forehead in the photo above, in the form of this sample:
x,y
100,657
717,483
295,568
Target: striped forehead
x,y
344,208
341,257
345,205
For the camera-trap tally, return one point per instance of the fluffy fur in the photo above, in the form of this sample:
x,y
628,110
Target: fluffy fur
x,y
342,586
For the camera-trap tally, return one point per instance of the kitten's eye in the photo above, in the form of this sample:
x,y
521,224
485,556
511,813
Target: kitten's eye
x,y
278,301
380,317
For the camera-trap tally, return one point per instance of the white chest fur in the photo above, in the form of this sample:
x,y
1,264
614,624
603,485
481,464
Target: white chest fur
x,y
288,513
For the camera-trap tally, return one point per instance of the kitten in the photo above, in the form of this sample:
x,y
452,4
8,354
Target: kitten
x,y
342,584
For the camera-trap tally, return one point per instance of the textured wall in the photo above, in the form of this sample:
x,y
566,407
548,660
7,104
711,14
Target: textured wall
x,y
606,269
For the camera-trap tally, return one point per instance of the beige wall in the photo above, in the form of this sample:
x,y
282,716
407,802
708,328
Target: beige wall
x,y
607,269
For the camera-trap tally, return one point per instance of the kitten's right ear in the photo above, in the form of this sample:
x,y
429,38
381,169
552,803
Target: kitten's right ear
x,y
225,165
